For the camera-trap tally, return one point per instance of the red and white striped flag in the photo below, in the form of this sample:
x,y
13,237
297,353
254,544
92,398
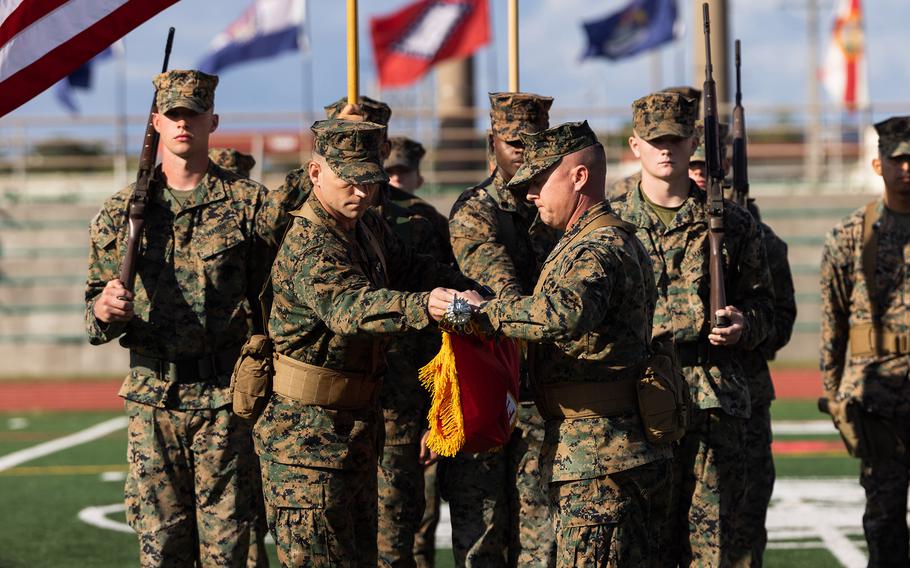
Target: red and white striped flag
x,y
42,41
844,73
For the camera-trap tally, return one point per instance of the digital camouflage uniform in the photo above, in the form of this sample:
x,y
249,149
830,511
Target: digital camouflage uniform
x,y
497,504
877,382
332,310
623,186
589,320
405,402
193,483
710,469
233,161
750,533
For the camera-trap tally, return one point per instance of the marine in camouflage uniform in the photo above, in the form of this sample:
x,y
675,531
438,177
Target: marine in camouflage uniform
x,y
193,480
589,319
332,313
854,312
233,161
621,187
710,469
404,401
750,534
497,503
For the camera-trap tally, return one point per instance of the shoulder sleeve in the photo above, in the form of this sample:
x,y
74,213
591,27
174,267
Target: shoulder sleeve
x,y
837,273
104,263
478,252
313,268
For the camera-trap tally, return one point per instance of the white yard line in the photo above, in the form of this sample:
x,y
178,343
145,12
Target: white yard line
x,y
53,446
797,427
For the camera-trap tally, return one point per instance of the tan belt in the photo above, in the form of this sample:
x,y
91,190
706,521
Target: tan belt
x,y
587,399
318,386
863,341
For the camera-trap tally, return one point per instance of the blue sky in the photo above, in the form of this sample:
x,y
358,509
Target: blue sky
x,y
773,34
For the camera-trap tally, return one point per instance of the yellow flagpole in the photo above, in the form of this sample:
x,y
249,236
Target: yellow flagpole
x,y
513,46
353,54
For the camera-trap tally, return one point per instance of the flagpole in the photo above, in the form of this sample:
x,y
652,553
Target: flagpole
x,y
306,91
122,160
513,46
353,54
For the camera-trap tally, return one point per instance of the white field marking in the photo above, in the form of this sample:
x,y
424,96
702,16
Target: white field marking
x,y
797,427
113,476
97,517
17,423
53,446
828,509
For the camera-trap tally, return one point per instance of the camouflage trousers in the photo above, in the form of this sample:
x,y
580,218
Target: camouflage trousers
x,y
710,483
498,504
321,517
193,493
885,518
425,538
614,520
750,536
401,505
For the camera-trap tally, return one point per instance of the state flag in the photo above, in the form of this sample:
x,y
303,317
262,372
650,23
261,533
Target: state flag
x,y
640,26
407,43
265,29
844,72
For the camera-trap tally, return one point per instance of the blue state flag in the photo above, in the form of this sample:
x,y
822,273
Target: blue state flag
x,y
265,29
640,26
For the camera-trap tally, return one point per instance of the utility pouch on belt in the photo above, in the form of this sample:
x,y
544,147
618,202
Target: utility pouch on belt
x,y
865,435
663,400
251,382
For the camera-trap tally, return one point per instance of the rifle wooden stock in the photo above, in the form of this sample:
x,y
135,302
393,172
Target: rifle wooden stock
x,y
145,177
718,295
740,161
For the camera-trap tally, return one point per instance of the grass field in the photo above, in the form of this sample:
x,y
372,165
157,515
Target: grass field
x,y
63,507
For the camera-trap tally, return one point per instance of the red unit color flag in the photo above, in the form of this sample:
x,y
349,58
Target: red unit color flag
x,y
407,43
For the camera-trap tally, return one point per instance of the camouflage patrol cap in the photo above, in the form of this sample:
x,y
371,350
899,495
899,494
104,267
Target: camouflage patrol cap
x,y
373,110
690,92
512,113
664,114
190,89
723,127
894,136
405,153
351,149
545,148
233,160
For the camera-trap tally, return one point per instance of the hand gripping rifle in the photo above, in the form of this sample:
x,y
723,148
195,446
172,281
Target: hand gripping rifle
x,y
740,172
715,185
145,177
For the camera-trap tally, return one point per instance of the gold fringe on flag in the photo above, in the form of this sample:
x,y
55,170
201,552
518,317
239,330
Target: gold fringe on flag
x,y
446,420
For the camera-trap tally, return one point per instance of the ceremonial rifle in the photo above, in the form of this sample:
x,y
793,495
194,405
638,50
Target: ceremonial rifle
x,y
740,172
145,177
718,300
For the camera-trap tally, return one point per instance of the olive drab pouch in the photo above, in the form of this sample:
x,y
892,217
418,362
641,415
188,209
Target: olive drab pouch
x,y
251,382
663,399
865,435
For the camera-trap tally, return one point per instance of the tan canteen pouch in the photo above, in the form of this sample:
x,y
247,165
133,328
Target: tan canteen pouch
x,y
663,400
251,382
865,435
